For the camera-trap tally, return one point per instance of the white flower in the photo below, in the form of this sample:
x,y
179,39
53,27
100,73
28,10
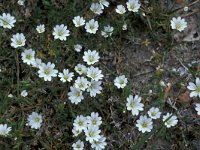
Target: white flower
x,y
92,26
100,144
80,69
195,88
24,93
124,27
60,32
18,40
134,105
92,133
35,120
66,75
133,5
10,96
20,2
96,8
185,8
75,132
37,63
28,56
78,47
81,83
4,130
154,113
78,21
94,73
178,23
197,108
91,57
144,124
108,31
104,3
40,28
121,81
80,123
94,88
120,9
172,121
7,21
94,119
47,71
79,145
75,95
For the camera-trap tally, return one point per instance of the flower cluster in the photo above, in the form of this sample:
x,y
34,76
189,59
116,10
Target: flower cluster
x,y
90,126
145,123
92,83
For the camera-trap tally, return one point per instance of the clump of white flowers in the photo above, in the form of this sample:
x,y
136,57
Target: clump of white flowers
x,y
7,21
108,31
34,120
91,127
61,32
18,40
120,81
178,24
195,88
4,130
40,28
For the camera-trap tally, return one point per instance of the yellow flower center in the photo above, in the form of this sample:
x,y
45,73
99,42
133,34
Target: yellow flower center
x,y
60,33
169,122
78,94
197,89
91,27
91,59
78,146
132,104
91,134
19,42
178,26
65,77
5,23
94,122
153,114
80,123
132,6
144,124
121,81
28,56
46,71
37,119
